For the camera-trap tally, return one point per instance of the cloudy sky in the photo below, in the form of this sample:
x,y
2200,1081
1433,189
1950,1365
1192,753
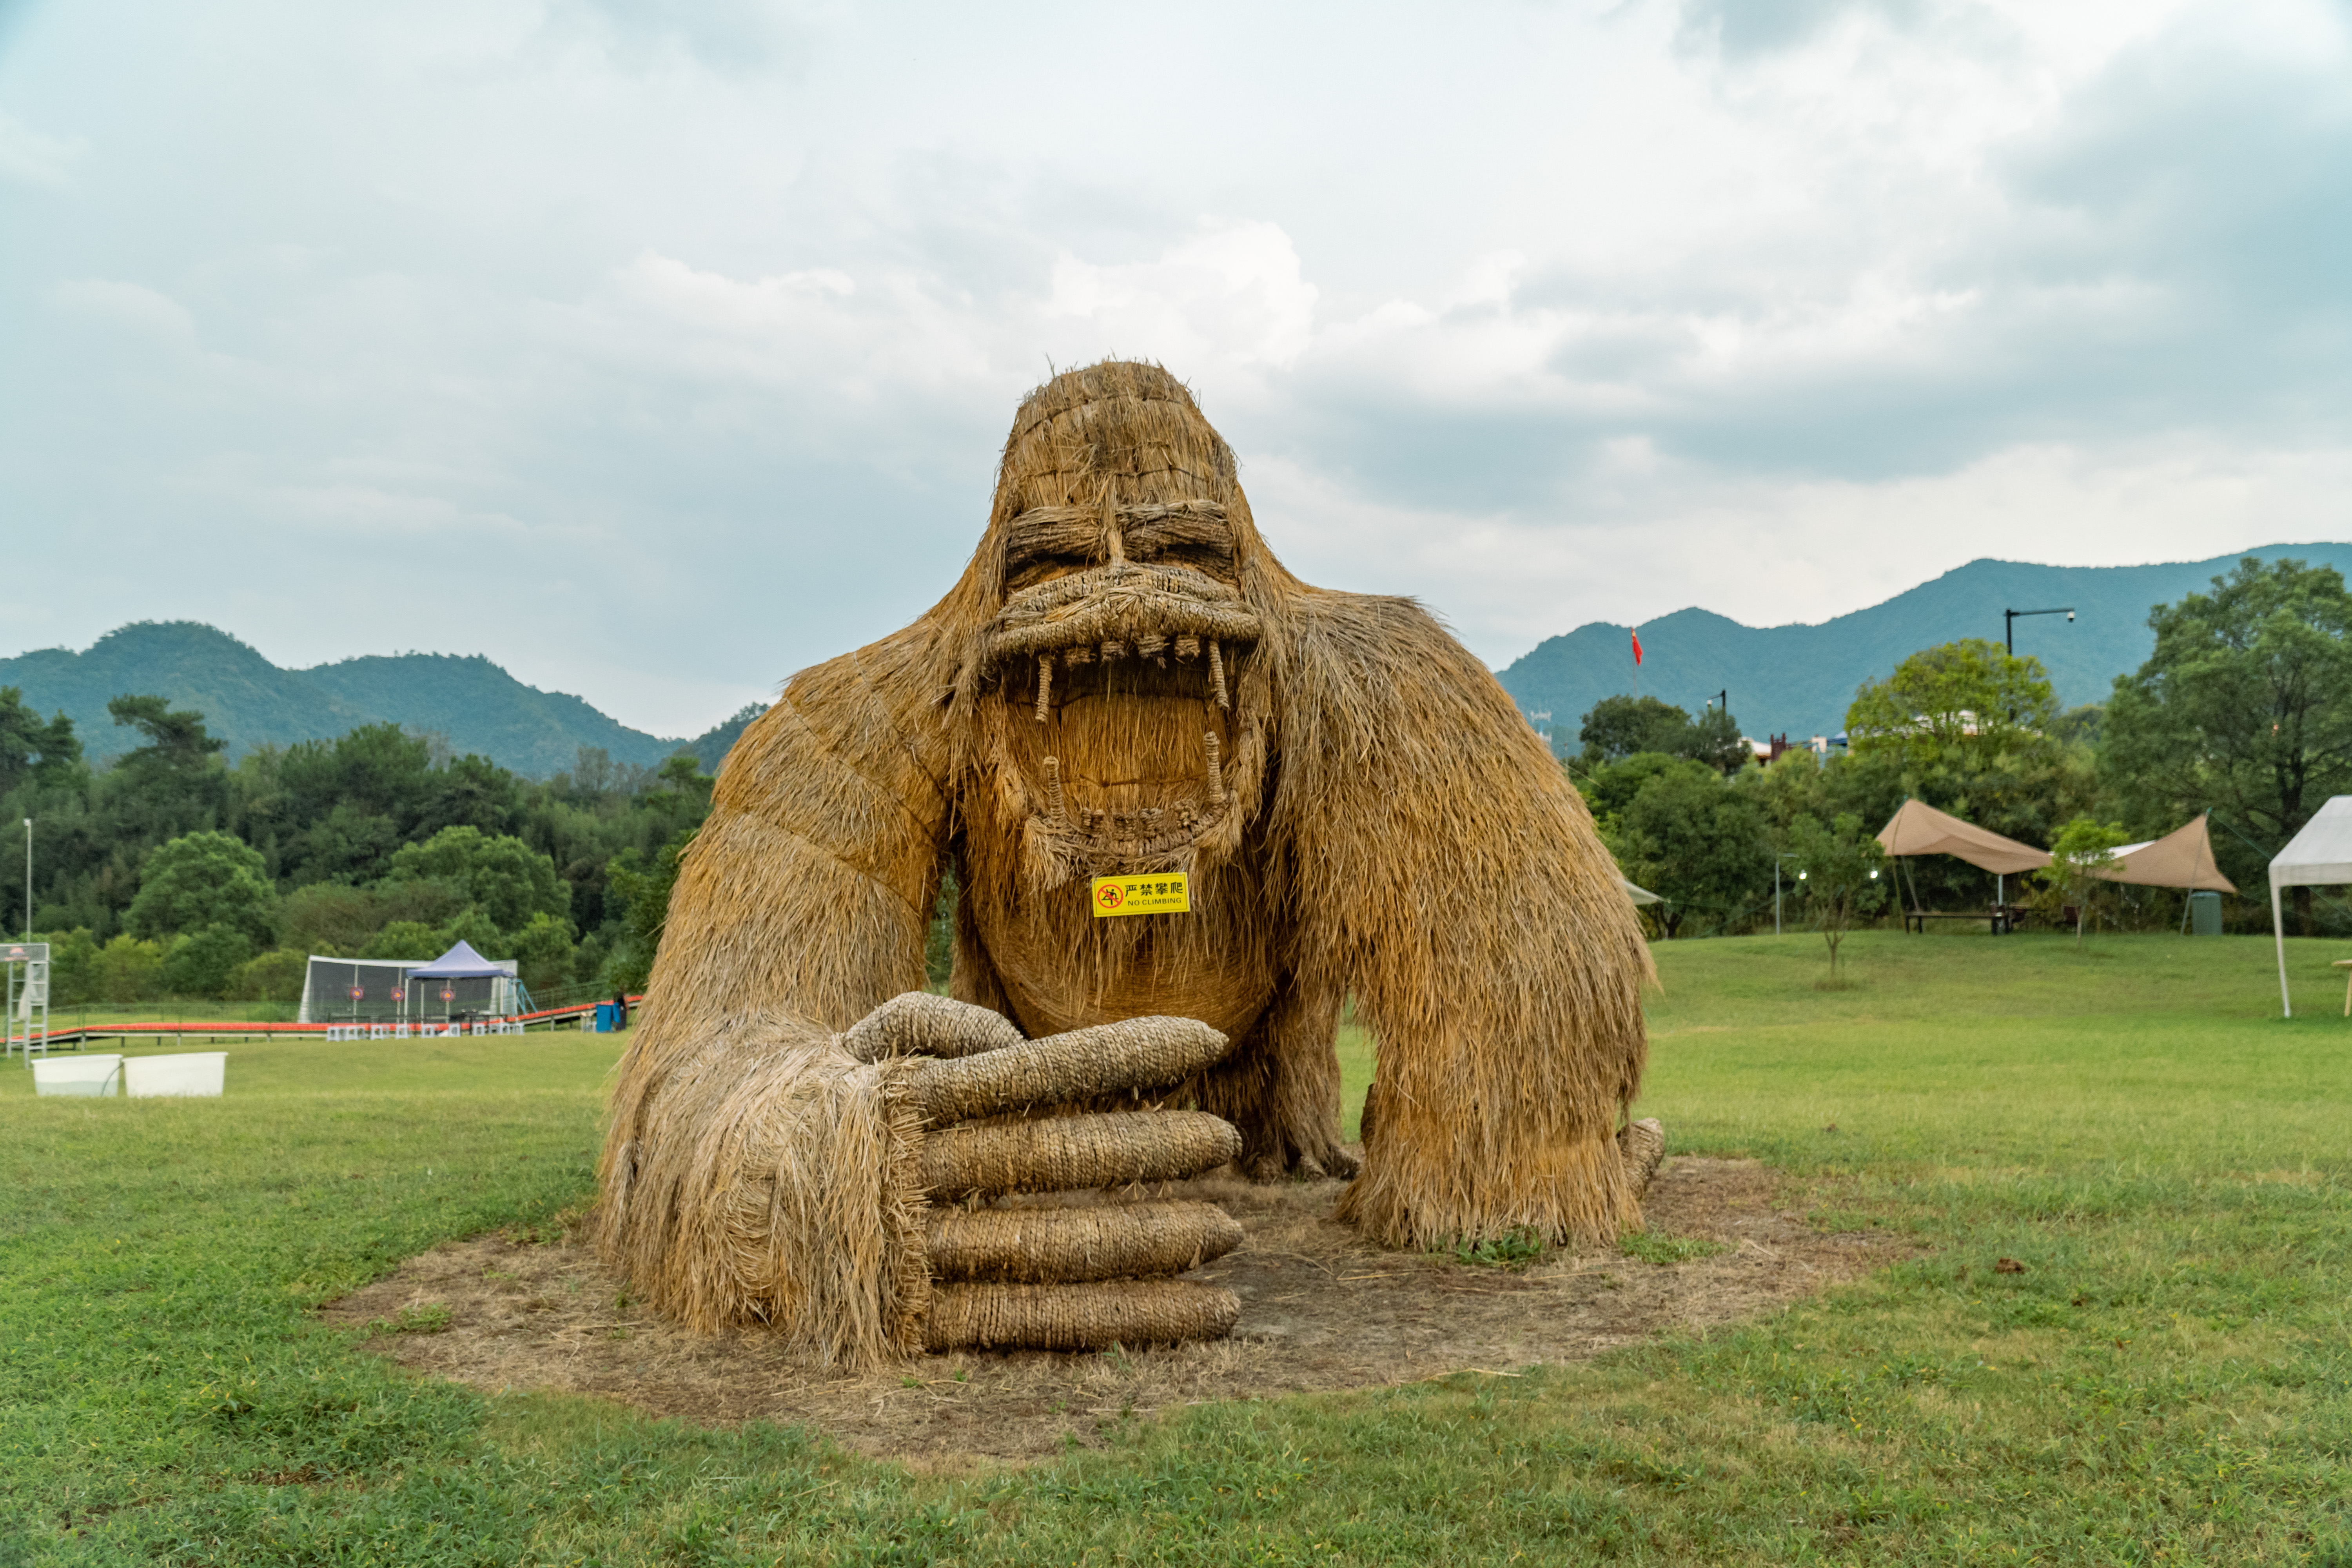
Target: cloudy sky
x,y
657,348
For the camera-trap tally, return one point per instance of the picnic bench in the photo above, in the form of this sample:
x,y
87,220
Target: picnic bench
x,y
2002,919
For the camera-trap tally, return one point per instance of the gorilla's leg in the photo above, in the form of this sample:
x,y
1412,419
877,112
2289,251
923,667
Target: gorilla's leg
x,y
1281,1087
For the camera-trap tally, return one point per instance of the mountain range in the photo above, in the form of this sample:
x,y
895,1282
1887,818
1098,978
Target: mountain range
x,y
1795,679
470,702
1798,679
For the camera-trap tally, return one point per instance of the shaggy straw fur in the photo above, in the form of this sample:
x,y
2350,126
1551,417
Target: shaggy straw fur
x,y
1125,679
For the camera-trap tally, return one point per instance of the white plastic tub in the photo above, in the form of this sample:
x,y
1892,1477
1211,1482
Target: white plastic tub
x,y
85,1075
185,1073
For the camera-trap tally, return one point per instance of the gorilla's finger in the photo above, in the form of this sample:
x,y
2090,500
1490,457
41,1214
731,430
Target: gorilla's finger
x,y
1076,1317
1643,1147
1136,1053
1066,1245
921,1023
1060,1152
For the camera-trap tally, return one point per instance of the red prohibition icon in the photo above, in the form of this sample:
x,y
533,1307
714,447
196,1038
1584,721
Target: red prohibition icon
x,y
1111,897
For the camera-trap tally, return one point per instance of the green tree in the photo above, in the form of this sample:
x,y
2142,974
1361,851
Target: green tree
x,y
1971,731
2085,846
505,878
544,951
176,739
202,880
1840,869
44,753
73,967
129,970
1622,726
2245,707
1965,696
644,888
1688,837
202,962
270,976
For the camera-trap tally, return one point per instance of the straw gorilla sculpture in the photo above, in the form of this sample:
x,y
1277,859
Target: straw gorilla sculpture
x,y
1123,680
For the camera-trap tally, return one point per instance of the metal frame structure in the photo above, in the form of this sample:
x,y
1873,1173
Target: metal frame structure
x,y
28,992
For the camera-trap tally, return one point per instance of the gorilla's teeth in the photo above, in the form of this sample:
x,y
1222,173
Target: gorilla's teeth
x,y
1078,655
1217,674
1151,645
1216,776
1187,648
1114,650
1044,686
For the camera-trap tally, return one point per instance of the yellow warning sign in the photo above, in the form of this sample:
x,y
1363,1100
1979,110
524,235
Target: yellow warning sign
x,y
1161,893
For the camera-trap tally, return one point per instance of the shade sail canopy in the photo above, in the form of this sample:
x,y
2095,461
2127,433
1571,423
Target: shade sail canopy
x,y
1920,829
2321,855
460,963
2181,859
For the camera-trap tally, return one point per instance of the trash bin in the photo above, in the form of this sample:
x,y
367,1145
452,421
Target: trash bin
x,y
2204,914
608,1017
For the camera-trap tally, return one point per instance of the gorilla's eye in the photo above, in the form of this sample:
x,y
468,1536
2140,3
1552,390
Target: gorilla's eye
x,y
1038,548
1204,543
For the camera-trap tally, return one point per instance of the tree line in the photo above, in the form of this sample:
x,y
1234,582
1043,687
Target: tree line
x,y
2243,710
172,872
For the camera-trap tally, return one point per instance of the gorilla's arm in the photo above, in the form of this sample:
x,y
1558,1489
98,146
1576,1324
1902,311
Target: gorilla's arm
x,y
800,905
1448,875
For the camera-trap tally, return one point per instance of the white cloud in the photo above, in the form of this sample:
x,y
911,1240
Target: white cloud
x,y
30,157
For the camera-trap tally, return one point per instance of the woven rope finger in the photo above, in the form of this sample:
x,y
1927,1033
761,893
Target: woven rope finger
x,y
1077,1317
1643,1148
1136,1053
1061,1247
1063,1152
919,1023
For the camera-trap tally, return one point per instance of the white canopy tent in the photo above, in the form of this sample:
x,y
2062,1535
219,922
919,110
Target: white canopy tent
x,y
2319,856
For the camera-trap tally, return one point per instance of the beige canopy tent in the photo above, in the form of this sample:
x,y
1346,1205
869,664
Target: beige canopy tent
x,y
2181,859
1920,829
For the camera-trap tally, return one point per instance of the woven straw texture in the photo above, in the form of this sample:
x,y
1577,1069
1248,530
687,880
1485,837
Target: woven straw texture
x,y
1067,1245
1065,1153
1077,1317
1643,1148
921,1023
1085,1064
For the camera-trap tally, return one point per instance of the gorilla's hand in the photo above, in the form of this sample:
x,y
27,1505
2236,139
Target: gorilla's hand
x,y
1073,1276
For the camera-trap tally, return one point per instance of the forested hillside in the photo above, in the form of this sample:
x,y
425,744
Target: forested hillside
x,y
1798,679
463,704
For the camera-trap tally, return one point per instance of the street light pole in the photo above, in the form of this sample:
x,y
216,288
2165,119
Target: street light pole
x,y
28,879
2009,623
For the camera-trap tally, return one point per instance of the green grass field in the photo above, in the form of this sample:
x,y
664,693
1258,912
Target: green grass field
x,y
2168,1379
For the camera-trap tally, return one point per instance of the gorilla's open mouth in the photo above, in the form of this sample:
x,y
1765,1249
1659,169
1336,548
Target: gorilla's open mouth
x,y
1119,686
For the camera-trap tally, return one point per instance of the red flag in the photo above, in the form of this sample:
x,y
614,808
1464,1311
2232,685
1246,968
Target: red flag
x,y
1637,649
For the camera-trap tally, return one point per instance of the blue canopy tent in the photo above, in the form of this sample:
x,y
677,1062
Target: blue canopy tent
x,y
462,980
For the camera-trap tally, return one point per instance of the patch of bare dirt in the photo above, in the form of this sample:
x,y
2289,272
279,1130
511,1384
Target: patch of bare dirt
x,y
1319,1311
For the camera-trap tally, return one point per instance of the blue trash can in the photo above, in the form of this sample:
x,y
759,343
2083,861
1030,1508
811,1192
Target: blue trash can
x,y
608,1017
